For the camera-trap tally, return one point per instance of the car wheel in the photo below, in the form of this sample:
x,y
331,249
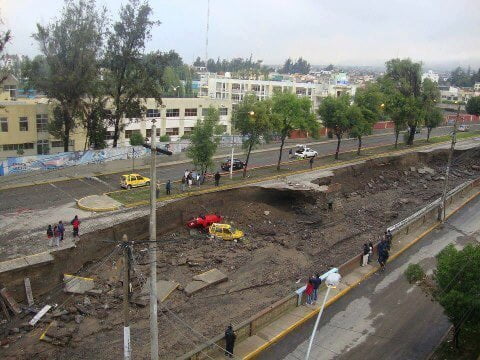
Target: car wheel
x,y
129,187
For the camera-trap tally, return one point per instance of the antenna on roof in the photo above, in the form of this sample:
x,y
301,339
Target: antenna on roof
x,y
206,38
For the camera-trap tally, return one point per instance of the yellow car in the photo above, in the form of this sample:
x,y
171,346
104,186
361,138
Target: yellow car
x,y
225,231
134,180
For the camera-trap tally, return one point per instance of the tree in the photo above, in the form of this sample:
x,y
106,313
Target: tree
x,y
125,74
289,113
370,101
253,118
458,280
334,113
300,66
171,83
136,139
203,143
358,124
71,48
5,37
433,118
473,106
405,76
199,62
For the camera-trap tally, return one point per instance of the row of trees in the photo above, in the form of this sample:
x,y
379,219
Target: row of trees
x,y
464,78
243,68
299,66
85,63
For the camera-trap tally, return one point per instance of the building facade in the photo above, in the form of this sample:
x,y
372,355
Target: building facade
x,y
431,75
175,117
24,125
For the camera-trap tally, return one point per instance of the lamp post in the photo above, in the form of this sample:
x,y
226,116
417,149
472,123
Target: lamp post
x,y
443,212
332,282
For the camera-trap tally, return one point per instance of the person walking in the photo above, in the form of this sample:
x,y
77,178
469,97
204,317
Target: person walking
x,y
184,180
56,236
61,229
230,337
366,251
186,173
168,187
157,190
370,252
76,226
309,292
50,234
290,153
388,239
217,178
311,162
383,254
316,281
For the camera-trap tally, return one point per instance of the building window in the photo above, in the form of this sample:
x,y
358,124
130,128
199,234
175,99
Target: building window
x,y
235,97
187,130
205,111
3,124
42,122
23,121
128,133
173,112
109,135
42,147
171,131
191,112
11,89
223,111
153,113
12,147
148,132
59,143
255,87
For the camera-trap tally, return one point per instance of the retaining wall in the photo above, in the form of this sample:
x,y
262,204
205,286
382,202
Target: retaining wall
x,y
422,218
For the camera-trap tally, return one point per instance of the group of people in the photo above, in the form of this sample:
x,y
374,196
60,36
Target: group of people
x,y
189,179
57,233
383,250
311,291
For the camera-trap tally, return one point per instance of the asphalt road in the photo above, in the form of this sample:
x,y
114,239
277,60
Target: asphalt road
x,y
385,317
60,193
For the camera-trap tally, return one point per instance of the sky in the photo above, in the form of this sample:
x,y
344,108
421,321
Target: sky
x,y
440,33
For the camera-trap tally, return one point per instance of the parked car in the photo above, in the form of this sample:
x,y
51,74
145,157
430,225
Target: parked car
x,y
204,221
463,128
225,232
304,152
134,180
237,164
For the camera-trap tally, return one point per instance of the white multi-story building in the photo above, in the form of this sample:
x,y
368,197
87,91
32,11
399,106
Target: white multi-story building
x,y
175,117
430,75
224,88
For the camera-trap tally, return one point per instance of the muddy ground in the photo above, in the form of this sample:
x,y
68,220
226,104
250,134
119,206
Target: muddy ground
x,y
289,235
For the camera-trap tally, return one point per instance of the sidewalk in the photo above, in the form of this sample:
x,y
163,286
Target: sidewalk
x,y
255,344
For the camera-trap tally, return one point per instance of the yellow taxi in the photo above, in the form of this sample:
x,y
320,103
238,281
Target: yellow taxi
x,y
134,180
225,231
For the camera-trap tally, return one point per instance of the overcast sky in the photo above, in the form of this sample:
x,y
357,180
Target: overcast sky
x,y
344,32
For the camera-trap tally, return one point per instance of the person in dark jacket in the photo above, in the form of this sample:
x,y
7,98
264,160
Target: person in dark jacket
x,y
311,162
50,234
168,187
388,239
316,281
61,229
217,178
230,337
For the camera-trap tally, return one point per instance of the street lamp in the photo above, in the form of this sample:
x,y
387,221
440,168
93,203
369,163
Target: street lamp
x,y
332,282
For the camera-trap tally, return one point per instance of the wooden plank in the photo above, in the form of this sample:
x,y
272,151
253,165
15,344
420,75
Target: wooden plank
x,y
12,304
5,310
40,314
28,291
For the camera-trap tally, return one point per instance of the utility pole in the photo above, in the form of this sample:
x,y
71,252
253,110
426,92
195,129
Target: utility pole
x,y
133,159
127,350
153,249
442,214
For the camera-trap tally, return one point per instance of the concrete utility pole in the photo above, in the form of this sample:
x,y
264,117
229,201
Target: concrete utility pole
x,y
153,250
443,211
127,350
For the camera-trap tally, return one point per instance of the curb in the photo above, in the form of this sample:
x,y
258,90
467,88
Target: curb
x,y
282,334
99,209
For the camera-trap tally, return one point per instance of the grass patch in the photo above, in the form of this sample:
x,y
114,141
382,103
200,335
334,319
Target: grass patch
x,y
133,196
414,273
460,136
469,346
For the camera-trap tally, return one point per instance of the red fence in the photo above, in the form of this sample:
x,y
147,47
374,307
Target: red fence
x,y
462,119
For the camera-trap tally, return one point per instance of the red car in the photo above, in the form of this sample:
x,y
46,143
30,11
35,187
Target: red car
x,y
204,221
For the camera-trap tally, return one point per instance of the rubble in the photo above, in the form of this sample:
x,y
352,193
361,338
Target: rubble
x,y
77,285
